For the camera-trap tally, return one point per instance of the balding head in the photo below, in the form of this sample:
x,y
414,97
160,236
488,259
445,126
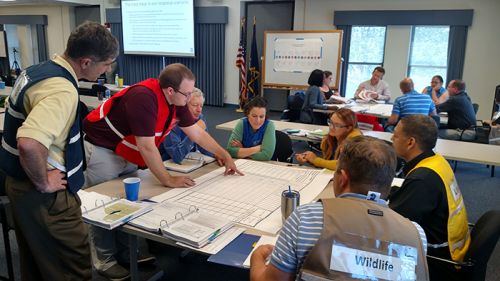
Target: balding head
x,y
368,163
406,85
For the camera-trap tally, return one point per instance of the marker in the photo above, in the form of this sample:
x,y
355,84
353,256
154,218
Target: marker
x,y
289,191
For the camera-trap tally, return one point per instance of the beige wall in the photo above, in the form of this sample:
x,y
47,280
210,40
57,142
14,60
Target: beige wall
x,y
482,57
59,25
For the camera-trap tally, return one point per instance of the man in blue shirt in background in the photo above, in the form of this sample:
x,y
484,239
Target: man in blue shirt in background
x,y
410,103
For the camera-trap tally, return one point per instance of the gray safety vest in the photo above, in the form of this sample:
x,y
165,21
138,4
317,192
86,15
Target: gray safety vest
x,y
362,239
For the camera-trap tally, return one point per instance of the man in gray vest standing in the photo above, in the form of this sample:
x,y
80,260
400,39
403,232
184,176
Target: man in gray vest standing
x,y
355,234
42,155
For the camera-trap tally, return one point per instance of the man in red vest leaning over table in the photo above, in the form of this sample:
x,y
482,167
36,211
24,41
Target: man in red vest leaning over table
x,y
124,133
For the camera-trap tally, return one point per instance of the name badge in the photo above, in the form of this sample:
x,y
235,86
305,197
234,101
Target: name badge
x,y
369,265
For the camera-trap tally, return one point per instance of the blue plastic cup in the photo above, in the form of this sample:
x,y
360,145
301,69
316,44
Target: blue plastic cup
x,y
2,85
132,186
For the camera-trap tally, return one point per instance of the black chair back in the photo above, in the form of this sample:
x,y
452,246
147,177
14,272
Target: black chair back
x,y
484,237
283,149
476,107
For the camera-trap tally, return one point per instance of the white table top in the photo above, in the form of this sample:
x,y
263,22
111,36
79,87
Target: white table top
x,y
281,126
111,87
90,101
5,92
458,150
452,150
380,110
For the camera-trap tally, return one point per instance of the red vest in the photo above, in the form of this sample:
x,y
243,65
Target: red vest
x,y
127,147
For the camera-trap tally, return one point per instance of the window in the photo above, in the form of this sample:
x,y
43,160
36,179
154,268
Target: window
x,y
366,52
428,54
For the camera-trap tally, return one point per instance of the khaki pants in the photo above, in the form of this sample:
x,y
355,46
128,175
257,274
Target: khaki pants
x,y
52,238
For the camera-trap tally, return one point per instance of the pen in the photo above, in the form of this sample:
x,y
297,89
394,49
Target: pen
x,y
115,212
214,235
289,191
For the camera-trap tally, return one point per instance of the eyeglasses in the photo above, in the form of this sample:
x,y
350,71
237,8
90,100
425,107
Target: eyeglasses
x,y
334,125
187,95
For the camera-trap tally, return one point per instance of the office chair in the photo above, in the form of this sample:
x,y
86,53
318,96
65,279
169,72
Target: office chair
x,y
496,100
476,107
484,237
369,122
283,150
7,225
482,135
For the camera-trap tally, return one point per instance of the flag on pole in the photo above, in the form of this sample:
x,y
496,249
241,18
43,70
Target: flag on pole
x,y
241,65
253,83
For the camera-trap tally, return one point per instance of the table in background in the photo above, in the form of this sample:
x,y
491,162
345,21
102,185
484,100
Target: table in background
x,y
88,86
380,110
5,92
450,149
282,126
457,150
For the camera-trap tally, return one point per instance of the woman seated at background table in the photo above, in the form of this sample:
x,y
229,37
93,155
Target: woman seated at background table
x,y
436,90
343,125
254,136
325,88
329,96
314,100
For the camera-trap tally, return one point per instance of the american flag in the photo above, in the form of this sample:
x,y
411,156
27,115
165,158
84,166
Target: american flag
x,y
241,65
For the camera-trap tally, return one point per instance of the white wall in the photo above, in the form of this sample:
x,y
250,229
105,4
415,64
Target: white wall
x,y
59,22
396,57
482,56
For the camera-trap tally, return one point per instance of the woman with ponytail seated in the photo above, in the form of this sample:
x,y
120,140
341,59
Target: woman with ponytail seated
x,y
343,125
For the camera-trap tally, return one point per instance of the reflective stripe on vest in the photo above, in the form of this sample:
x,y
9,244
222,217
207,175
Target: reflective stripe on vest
x,y
458,230
15,116
127,147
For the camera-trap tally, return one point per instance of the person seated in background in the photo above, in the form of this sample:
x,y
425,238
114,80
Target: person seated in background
x,y
436,90
254,136
430,195
326,91
376,88
343,125
314,100
461,113
319,237
411,102
177,144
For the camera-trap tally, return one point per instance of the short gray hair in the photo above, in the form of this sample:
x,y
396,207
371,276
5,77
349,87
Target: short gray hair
x,y
198,93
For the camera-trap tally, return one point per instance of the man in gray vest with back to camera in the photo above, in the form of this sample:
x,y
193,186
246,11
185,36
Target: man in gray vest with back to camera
x,y
42,155
353,236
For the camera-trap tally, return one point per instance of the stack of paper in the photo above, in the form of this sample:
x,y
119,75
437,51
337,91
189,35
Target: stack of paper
x,y
193,161
112,214
183,223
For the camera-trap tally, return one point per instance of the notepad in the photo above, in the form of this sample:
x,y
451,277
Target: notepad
x,y
183,223
191,162
110,213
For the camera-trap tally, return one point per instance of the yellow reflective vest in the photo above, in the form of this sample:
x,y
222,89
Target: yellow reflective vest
x,y
458,231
